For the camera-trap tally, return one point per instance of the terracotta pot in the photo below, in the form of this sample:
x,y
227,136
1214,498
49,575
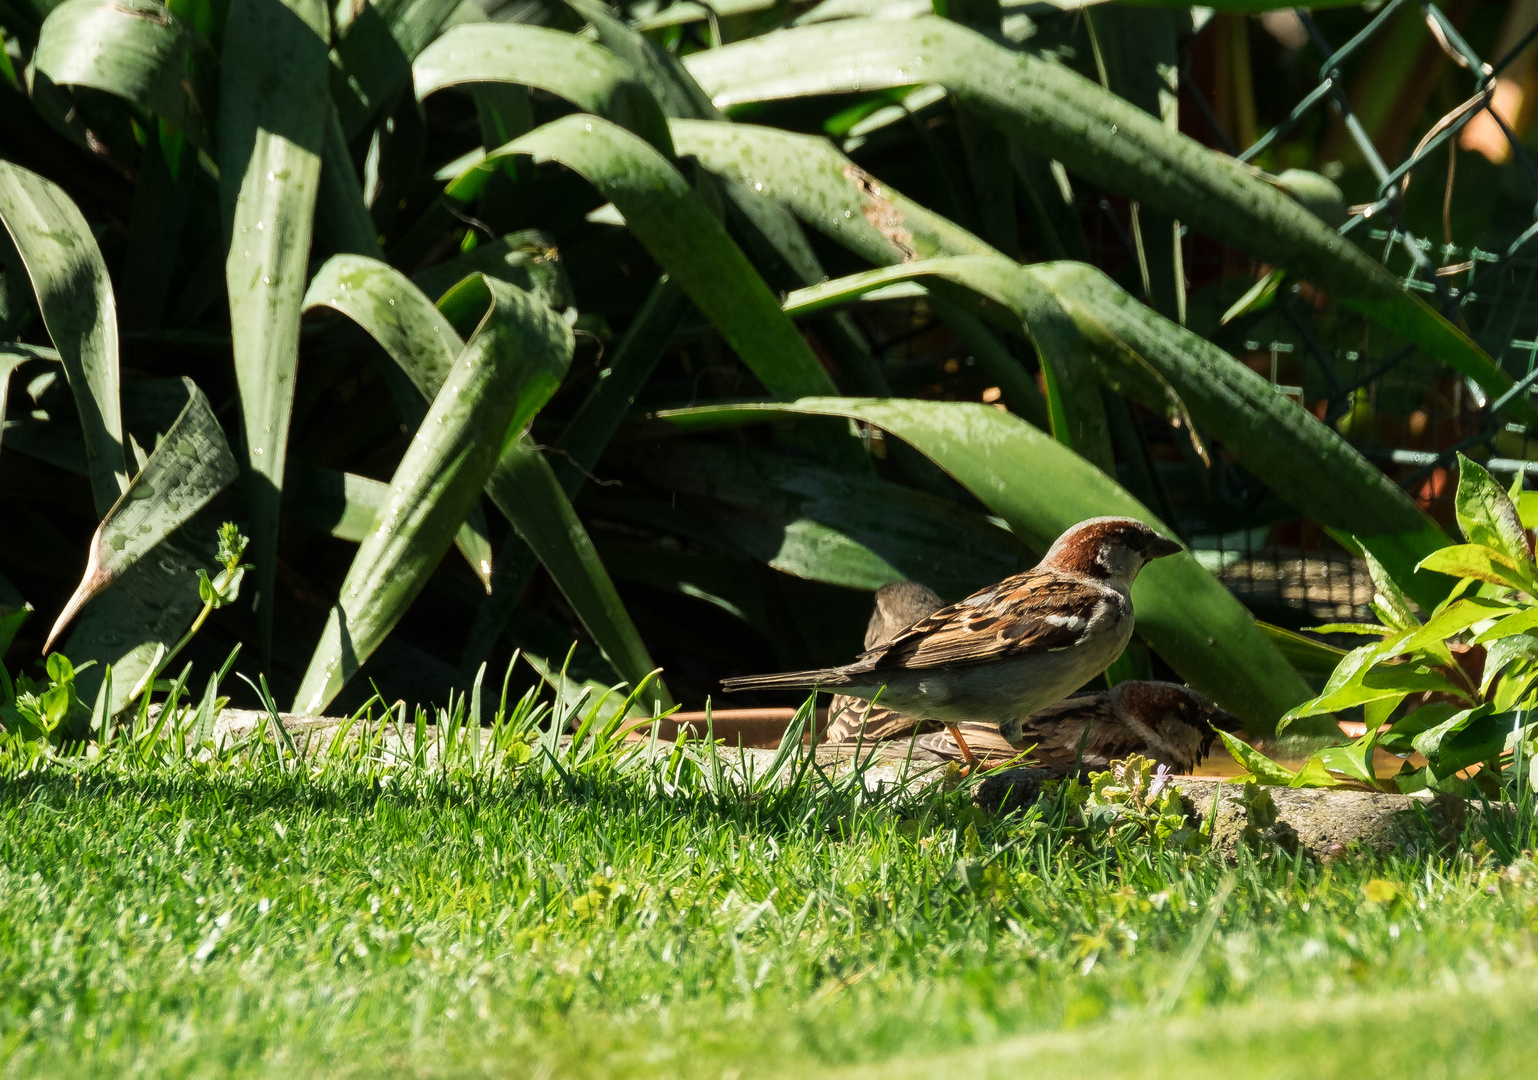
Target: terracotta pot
x,y
763,728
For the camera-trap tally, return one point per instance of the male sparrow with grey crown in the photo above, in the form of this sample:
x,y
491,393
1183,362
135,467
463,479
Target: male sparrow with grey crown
x,y
1010,649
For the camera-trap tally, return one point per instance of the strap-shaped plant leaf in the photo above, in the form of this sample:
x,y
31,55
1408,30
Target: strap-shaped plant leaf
x,y
191,464
74,294
669,219
1138,352
12,355
135,49
581,443
273,106
832,526
133,625
346,505
1101,137
527,259
424,344
505,372
587,75
1040,488
1075,409
772,236
658,69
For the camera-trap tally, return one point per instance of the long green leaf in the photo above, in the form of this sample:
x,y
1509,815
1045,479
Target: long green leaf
x,y
1274,437
152,602
1040,489
583,440
191,464
1245,7
368,65
525,488
12,356
1268,432
424,344
347,506
135,49
668,218
273,106
1098,135
770,234
1138,352
587,75
664,76
1142,63
831,526
74,294
516,357
1075,409
147,610
527,259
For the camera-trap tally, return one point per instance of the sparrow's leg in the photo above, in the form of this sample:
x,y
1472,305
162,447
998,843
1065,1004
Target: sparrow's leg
x,y
972,760
966,751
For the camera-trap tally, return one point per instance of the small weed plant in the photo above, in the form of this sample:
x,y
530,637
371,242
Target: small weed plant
x,y
1457,686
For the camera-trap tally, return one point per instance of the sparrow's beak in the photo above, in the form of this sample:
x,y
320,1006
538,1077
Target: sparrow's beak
x,y
1159,547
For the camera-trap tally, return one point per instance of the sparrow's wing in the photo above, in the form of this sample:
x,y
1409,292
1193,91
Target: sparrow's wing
x,y
988,626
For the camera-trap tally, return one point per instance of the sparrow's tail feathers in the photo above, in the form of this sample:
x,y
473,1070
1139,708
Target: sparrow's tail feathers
x,y
800,680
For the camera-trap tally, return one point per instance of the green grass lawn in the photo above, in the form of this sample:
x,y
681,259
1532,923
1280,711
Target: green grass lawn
x,y
206,921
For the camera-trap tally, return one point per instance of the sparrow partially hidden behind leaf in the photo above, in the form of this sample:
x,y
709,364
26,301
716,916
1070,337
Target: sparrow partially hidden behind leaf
x,y
1169,724
899,605
1010,649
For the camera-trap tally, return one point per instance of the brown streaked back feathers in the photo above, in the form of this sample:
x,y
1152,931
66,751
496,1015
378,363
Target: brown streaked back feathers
x,y
898,605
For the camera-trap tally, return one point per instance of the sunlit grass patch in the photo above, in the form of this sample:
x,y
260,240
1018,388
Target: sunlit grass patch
x,y
584,912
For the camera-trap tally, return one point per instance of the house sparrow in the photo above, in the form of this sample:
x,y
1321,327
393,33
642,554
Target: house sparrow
x,y
1006,651
1170,724
899,605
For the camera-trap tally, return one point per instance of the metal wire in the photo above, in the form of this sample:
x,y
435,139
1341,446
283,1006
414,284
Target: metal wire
x,y
1343,368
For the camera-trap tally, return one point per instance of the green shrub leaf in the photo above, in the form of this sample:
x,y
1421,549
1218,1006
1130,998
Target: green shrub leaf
x,y
191,464
1487,515
137,50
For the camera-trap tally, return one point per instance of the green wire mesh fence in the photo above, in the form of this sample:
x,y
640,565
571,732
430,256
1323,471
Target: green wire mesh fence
x,y
1397,405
